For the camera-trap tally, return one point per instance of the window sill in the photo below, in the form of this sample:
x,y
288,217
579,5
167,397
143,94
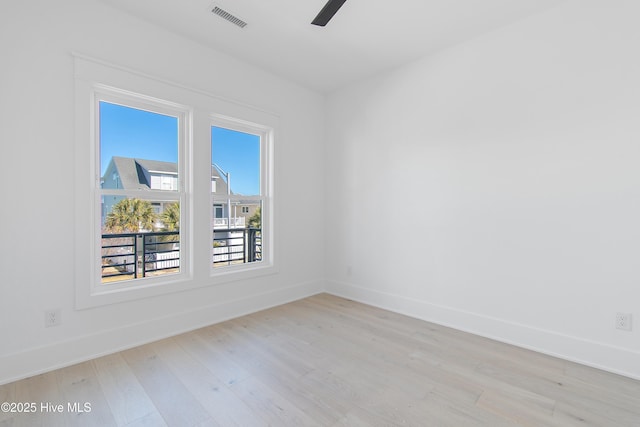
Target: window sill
x,y
103,295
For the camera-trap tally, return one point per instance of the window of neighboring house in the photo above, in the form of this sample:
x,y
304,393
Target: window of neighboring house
x,y
239,156
164,181
139,142
218,212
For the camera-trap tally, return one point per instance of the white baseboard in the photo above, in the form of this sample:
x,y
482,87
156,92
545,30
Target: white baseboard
x,y
590,353
46,358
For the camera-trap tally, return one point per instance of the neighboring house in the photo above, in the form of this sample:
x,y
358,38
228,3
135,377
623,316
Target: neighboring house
x,y
141,174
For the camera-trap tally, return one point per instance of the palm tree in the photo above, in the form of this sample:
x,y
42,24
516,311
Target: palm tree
x,y
171,217
256,219
130,215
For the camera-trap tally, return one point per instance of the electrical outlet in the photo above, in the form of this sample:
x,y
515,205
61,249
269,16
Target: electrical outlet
x,y
623,321
52,318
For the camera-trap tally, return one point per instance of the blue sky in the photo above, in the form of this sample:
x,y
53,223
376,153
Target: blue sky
x,y
129,132
238,154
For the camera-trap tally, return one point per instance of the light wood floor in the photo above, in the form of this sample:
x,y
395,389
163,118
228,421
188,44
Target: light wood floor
x,y
328,361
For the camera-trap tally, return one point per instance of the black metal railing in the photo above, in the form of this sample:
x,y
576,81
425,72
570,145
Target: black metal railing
x,y
236,246
134,255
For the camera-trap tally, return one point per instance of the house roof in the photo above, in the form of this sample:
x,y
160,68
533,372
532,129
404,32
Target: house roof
x,y
158,166
129,174
133,174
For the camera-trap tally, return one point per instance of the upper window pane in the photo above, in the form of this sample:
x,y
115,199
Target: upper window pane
x,y
235,156
138,149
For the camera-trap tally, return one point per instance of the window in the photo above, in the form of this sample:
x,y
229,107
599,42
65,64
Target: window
x,y
139,145
145,223
236,157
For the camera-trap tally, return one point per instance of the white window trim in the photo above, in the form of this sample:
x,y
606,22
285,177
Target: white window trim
x,y
183,113
266,134
201,106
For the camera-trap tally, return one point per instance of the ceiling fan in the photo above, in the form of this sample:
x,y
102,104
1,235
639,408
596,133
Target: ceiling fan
x,y
327,12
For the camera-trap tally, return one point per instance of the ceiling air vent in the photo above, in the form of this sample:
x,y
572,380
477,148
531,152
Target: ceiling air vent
x,y
229,17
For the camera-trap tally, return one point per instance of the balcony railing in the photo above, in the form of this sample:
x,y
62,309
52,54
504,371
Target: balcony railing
x,y
133,255
237,222
236,246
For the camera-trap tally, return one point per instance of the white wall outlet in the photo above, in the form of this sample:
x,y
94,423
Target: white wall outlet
x,y
52,318
623,321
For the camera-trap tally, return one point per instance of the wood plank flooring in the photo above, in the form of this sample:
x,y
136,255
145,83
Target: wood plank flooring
x,y
327,361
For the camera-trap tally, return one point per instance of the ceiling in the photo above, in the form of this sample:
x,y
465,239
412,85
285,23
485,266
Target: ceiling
x,y
365,37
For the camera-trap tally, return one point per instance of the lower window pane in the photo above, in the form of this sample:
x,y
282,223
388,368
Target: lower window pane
x,y
140,238
237,233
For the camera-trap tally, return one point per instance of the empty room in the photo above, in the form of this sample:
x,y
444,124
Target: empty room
x,y
322,213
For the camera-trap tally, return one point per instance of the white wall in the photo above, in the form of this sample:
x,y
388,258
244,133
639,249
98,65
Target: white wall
x,y
516,158
37,169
